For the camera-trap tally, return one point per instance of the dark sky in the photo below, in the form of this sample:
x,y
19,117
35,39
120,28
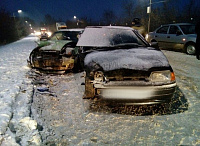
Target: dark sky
x,y
62,9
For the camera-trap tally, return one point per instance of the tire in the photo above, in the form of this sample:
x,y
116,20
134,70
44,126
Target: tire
x,y
89,89
190,48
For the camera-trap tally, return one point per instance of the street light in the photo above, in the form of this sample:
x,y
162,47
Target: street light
x,y
19,11
77,20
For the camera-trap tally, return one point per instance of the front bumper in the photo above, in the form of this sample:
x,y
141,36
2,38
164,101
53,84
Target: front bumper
x,y
137,94
54,64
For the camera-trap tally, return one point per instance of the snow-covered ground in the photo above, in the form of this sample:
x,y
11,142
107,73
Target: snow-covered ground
x,y
15,90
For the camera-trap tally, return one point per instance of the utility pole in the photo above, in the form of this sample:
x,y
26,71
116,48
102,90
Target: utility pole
x,y
149,12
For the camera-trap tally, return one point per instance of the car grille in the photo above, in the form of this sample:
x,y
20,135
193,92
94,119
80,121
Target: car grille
x,y
127,75
51,59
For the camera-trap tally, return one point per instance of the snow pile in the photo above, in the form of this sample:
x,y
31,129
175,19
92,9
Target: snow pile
x,y
15,92
27,131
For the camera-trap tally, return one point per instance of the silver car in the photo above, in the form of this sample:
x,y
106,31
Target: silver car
x,y
175,36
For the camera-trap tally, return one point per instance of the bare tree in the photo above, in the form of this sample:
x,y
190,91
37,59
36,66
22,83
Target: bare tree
x,y
129,8
109,17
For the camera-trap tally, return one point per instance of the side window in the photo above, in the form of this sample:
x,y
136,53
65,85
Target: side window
x,y
163,30
57,36
173,29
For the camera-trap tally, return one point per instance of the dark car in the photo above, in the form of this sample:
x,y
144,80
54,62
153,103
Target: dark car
x,y
44,36
121,66
179,36
56,53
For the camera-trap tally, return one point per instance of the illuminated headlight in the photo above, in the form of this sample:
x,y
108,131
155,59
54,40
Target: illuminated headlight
x,y
37,33
147,36
49,34
184,39
98,76
162,76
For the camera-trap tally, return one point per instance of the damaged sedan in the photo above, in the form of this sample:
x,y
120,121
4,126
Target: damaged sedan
x,y
55,55
121,66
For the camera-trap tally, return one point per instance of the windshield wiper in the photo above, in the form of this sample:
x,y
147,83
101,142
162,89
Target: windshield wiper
x,y
127,45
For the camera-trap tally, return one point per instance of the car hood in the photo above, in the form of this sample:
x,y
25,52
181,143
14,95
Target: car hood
x,y
135,59
52,45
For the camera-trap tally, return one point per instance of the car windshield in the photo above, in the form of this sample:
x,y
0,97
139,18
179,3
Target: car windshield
x,y
109,37
188,29
66,35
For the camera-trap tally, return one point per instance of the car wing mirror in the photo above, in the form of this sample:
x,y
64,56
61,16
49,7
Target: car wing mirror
x,y
154,45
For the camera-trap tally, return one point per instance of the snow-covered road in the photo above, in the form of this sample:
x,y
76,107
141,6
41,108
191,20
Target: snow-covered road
x,y
16,90
13,84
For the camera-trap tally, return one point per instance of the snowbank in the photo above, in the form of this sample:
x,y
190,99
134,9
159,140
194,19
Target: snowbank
x,y
16,94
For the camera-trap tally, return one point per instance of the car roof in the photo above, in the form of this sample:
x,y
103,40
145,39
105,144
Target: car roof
x,y
178,24
72,29
111,27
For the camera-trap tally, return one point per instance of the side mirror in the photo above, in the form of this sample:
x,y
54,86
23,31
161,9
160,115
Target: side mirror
x,y
154,45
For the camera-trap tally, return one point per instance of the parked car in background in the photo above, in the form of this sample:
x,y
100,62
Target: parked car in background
x,y
121,66
61,25
175,36
44,36
55,55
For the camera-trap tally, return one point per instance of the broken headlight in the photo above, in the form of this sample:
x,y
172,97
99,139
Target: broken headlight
x,y
162,76
99,76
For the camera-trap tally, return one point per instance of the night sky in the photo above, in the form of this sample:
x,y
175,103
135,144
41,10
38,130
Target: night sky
x,y
62,9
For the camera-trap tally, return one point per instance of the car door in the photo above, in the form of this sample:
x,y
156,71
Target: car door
x,y
161,36
175,37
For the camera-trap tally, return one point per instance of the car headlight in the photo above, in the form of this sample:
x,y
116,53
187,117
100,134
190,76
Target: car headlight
x,y
99,76
162,76
146,36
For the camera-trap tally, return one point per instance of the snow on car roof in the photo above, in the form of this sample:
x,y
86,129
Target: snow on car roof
x,y
73,29
178,24
104,36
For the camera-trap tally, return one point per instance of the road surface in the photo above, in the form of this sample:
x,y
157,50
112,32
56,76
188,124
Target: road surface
x,y
45,109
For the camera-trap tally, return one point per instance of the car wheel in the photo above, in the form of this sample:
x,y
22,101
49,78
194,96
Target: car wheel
x,y
190,48
89,89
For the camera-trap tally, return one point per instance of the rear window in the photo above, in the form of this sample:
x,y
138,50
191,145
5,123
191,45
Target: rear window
x,y
163,30
188,29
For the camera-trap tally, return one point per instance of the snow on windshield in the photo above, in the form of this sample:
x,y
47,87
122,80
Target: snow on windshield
x,y
103,37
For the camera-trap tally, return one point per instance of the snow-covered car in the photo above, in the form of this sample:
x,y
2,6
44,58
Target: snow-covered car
x,y
179,36
56,53
121,66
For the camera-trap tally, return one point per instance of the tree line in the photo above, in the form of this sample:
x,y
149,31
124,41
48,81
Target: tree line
x,y
163,12
13,28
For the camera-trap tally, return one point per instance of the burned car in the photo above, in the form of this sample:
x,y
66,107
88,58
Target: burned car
x,y
121,66
56,53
